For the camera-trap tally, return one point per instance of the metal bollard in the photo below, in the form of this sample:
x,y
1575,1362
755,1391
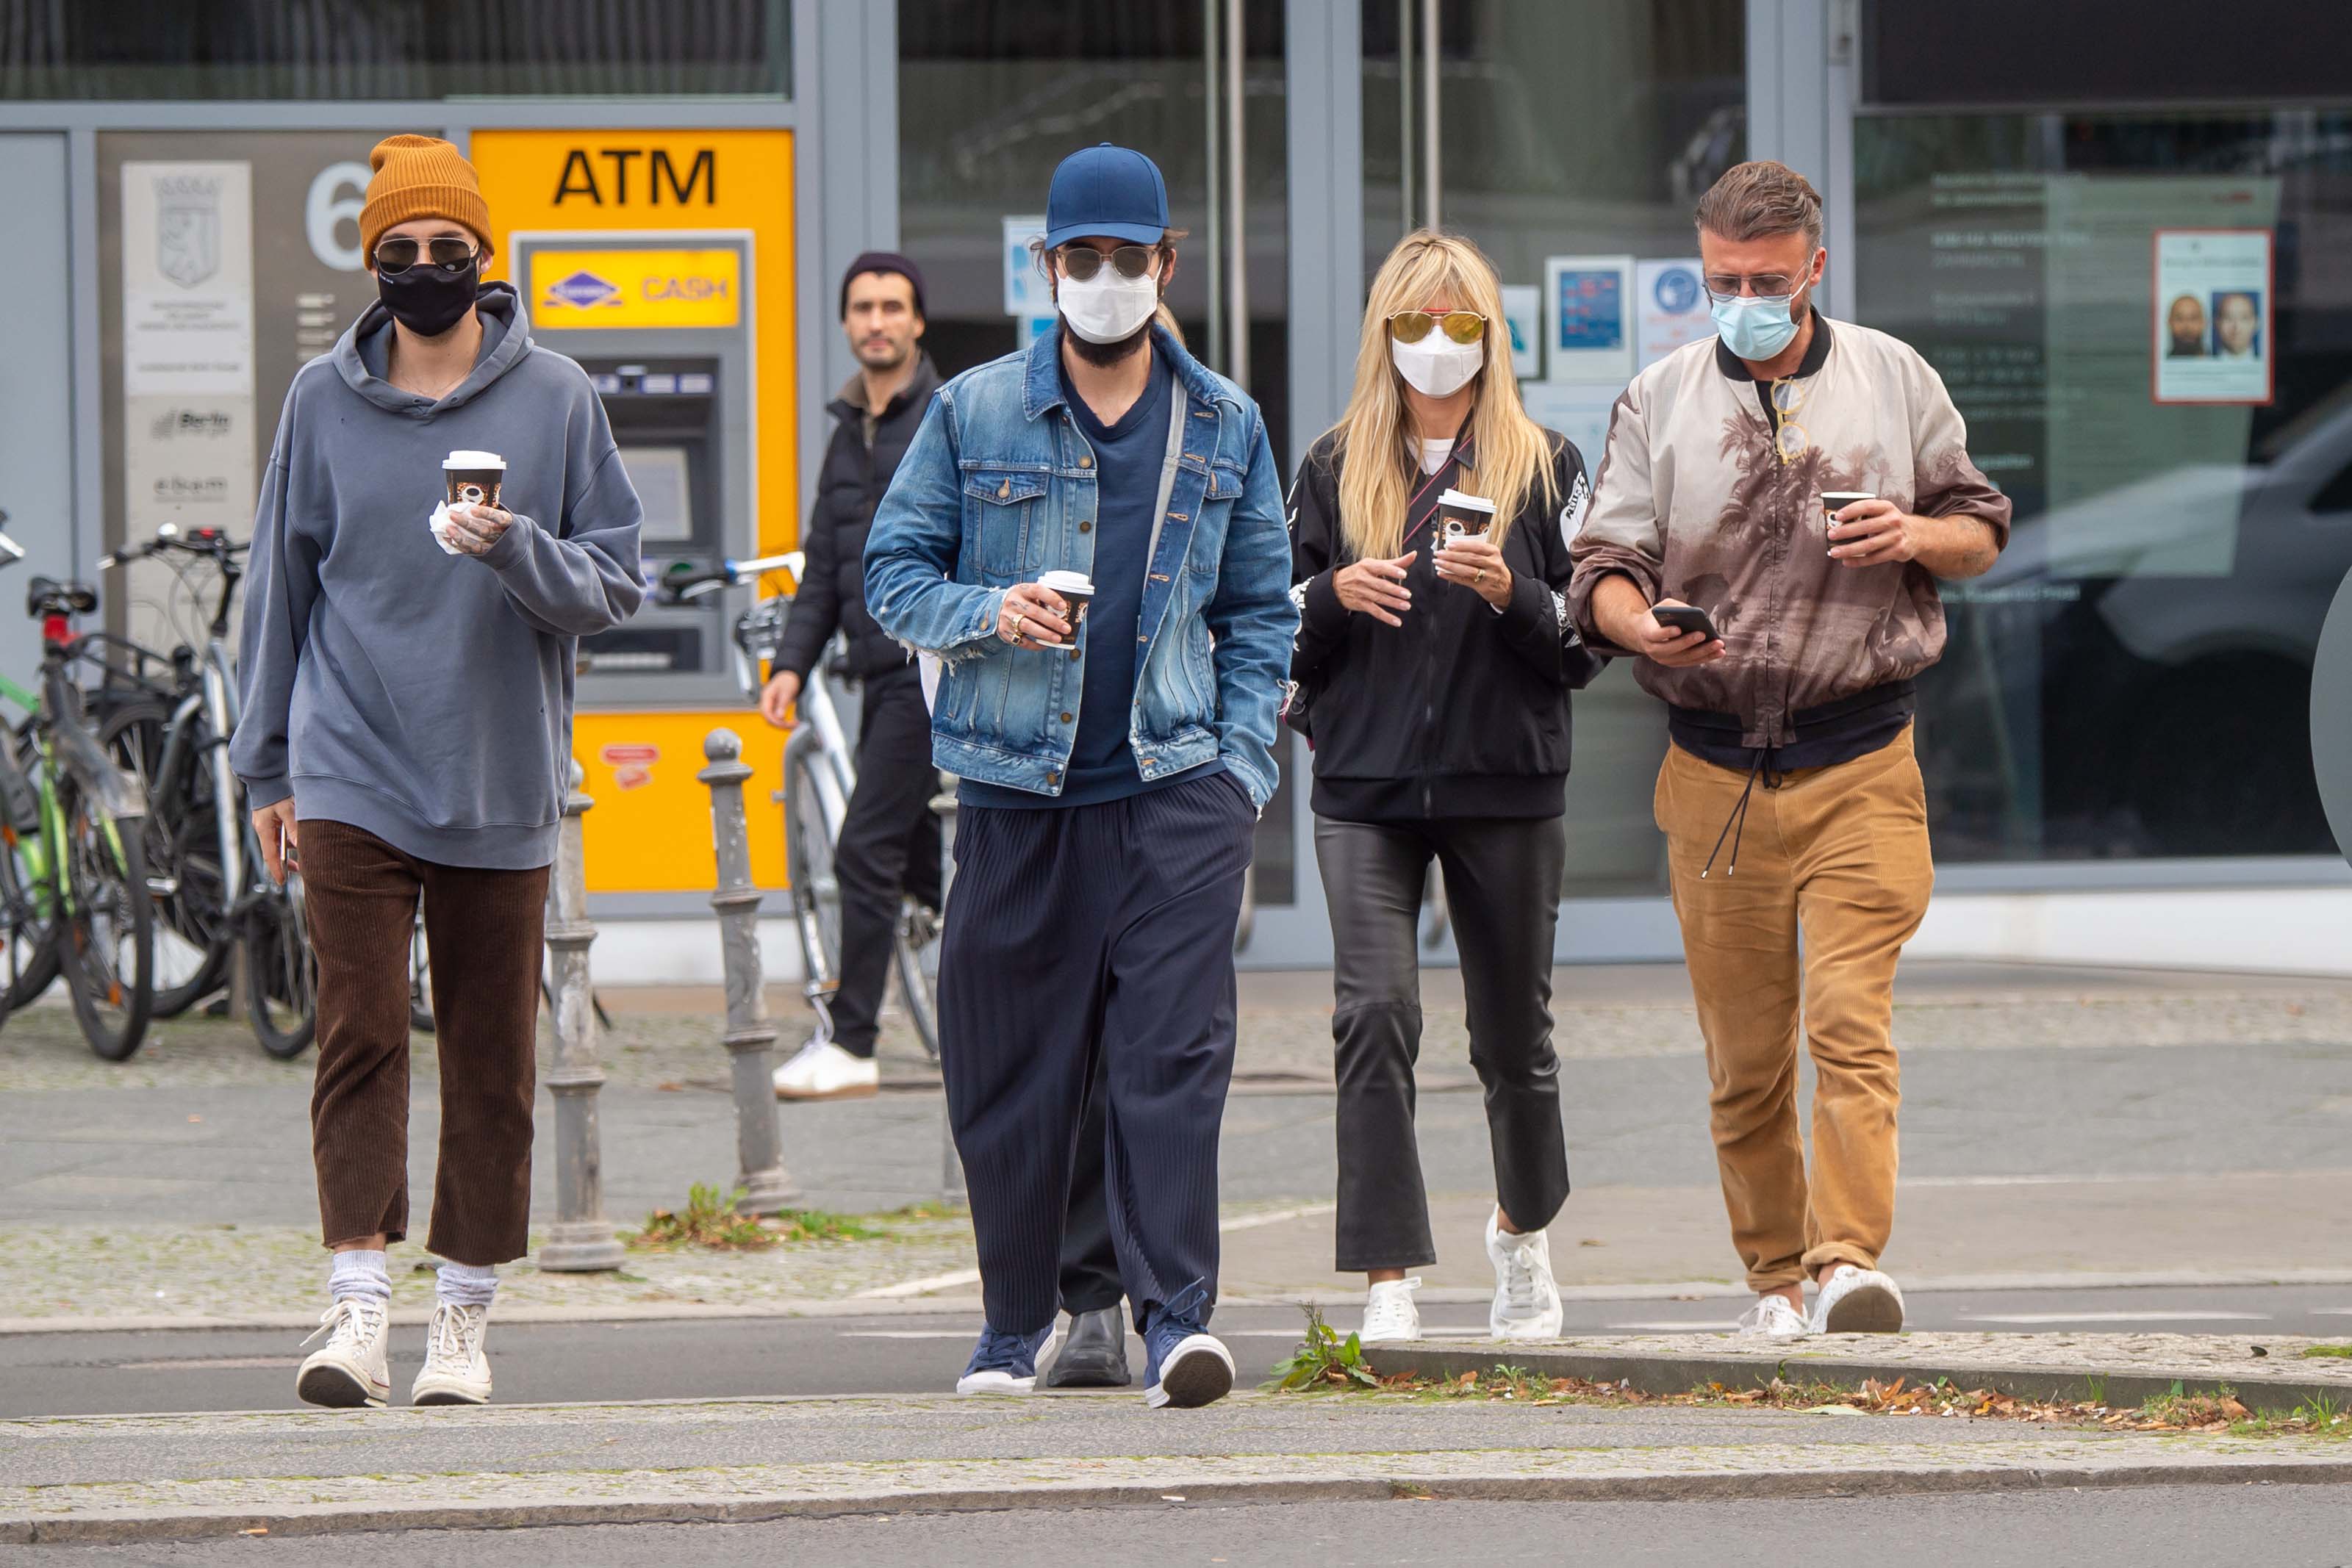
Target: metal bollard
x,y
751,1037
582,1239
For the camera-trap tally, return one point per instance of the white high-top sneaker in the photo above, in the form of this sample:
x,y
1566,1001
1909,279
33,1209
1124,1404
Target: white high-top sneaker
x,y
823,1071
1858,1300
349,1370
1389,1316
1527,1298
456,1370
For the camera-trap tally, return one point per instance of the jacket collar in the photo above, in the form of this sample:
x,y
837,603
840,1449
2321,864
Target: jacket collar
x,y
1817,355
1041,381
851,401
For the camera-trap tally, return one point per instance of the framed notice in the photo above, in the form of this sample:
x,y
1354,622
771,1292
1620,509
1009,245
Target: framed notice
x,y
1523,315
2211,317
1027,292
1587,302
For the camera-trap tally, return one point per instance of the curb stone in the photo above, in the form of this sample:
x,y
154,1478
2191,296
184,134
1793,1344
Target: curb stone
x,y
1847,1360
754,1493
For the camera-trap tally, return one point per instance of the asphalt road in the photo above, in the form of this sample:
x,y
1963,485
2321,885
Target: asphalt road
x,y
104,1373
2288,1526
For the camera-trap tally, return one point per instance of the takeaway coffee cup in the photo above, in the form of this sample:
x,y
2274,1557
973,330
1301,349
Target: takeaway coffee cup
x,y
1459,515
473,477
1836,501
1077,589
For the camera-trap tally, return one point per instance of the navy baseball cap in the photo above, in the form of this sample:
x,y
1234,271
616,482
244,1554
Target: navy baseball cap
x,y
1106,190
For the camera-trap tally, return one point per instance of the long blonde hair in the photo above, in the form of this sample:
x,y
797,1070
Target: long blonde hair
x,y
1512,454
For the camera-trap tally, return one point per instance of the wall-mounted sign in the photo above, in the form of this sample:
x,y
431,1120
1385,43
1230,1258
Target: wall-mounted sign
x,y
1588,303
1025,289
574,288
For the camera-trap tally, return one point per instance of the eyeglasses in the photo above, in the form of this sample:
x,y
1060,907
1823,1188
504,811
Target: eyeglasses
x,y
1081,262
1790,439
395,256
1413,326
1724,287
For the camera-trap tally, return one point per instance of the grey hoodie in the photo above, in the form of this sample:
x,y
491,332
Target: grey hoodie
x,y
423,696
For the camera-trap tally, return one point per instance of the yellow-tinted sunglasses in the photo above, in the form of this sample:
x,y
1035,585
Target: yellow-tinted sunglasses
x,y
1413,326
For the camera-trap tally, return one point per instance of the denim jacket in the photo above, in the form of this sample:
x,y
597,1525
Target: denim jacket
x,y
999,488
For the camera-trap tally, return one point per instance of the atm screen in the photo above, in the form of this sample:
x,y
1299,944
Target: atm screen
x,y
661,476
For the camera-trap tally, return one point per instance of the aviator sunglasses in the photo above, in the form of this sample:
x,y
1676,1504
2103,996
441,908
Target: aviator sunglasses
x,y
1081,262
1461,326
395,256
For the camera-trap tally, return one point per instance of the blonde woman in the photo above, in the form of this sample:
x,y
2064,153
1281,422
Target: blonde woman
x,y
1433,670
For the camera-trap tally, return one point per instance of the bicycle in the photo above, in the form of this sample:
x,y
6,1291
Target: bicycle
x,y
212,891
820,774
74,890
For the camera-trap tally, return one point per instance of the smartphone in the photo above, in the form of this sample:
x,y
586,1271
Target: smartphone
x,y
1686,618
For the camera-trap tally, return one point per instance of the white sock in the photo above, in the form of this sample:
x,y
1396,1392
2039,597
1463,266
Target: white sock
x,y
359,1274
464,1285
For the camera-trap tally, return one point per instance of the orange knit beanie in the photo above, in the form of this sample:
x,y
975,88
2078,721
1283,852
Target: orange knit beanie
x,y
421,177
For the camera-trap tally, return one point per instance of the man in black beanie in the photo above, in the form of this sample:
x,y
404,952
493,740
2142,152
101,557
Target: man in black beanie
x,y
889,844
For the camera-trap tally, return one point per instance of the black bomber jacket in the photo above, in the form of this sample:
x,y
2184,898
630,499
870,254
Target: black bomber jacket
x,y
1464,710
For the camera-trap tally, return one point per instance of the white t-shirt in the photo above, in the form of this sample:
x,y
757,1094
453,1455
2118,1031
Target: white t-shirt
x,y
1434,454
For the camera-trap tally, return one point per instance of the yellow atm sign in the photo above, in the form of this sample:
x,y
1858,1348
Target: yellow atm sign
x,y
575,288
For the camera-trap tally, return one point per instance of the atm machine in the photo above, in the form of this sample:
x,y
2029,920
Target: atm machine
x,y
662,323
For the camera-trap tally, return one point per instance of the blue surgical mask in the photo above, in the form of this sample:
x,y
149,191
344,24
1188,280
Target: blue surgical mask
x,y
1754,329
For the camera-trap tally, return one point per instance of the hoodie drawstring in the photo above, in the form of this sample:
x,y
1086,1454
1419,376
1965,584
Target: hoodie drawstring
x,y
1735,826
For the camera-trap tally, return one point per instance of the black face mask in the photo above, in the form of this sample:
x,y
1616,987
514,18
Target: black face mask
x,y
427,299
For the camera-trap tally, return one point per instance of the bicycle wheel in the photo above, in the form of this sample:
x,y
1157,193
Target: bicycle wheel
x,y
191,932
108,932
808,860
917,988
281,977
31,934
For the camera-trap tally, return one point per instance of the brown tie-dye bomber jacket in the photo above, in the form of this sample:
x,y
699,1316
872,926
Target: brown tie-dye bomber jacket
x,y
1694,503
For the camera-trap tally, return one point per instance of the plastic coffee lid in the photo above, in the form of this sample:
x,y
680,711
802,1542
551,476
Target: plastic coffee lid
x,y
1467,503
1836,498
473,460
1067,582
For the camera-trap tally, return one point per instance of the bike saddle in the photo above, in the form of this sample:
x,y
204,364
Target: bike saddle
x,y
48,596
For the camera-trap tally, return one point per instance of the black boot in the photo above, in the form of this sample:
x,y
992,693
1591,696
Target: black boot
x,y
1094,1353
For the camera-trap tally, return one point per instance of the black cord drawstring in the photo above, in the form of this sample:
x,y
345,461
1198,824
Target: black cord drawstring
x,y
1761,764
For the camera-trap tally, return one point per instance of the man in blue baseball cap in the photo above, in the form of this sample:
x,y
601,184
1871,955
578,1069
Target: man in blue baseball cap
x,y
1089,536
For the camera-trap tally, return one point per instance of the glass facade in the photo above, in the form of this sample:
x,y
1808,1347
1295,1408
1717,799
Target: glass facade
x,y
2147,321
180,50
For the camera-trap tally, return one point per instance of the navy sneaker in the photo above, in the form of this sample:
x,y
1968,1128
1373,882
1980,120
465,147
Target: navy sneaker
x,y
1187,1367
1004,1363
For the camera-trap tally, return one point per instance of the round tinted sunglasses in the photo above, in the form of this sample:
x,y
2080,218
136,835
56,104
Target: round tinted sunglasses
x,y
395,256
1461,326
1081,262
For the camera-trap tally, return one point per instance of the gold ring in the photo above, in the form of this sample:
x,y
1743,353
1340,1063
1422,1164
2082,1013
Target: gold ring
x,y
1020,626
1478,576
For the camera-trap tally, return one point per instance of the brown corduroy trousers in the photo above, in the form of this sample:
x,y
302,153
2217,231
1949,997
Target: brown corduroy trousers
x,y
1836,858
483,930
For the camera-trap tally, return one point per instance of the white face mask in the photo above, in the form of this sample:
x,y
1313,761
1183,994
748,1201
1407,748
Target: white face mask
x,y
1437,366
1107,307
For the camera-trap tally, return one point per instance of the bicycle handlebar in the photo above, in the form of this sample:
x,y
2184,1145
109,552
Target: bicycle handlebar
x,y
211,543
684,580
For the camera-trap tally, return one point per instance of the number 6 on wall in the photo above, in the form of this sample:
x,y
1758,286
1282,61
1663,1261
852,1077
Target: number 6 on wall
x,y
326,211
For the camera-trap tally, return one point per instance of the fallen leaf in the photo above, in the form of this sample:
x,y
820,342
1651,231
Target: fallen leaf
x,y
263,1529
671,1088
1592,1242
2233,1410
195,1118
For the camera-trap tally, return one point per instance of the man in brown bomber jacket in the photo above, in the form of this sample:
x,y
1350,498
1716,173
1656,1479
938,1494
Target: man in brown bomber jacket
x,y
1805,483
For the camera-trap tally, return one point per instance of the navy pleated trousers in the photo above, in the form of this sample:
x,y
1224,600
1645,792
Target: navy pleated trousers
x,y
1083,936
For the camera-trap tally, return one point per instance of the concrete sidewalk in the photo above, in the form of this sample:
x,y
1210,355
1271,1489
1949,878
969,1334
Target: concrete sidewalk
x,y
163,1477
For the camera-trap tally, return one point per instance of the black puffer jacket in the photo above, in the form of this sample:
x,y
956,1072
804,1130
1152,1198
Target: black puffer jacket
x,y
1461,711
858,464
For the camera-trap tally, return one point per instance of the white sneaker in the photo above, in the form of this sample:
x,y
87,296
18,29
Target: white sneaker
x,y
1526,1300
1389,1316
1773,1318
349,1370
1858,1300
456,1370
823,1071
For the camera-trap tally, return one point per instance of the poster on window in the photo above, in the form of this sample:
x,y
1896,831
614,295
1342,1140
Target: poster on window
x,y
1587,301
2212,335
1672,309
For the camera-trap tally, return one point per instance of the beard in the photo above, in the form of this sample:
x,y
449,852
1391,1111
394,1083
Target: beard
x,y
1105,356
